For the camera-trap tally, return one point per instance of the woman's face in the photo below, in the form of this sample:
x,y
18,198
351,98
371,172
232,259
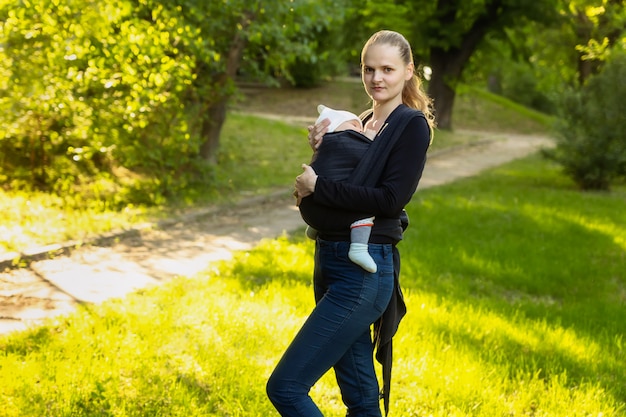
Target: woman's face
x,y
384,73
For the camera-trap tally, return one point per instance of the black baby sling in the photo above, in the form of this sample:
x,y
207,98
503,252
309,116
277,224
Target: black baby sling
x,y
367,173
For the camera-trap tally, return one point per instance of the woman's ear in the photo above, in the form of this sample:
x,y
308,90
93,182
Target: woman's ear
x,y
410,69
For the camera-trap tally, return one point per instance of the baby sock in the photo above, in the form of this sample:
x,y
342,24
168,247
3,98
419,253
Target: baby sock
x,y
359,237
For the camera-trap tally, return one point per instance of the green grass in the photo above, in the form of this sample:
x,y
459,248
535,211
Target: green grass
x,y
514,282
35,219
476,108
258,155
515,287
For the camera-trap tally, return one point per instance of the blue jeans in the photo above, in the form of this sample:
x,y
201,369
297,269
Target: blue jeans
x,y
336,334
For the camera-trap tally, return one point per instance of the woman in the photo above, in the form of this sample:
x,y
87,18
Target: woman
x,y
348,299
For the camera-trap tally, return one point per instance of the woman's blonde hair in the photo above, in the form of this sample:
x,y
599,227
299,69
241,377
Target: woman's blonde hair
x,y
413,94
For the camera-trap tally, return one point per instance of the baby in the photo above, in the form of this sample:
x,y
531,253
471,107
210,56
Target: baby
x,y
360,230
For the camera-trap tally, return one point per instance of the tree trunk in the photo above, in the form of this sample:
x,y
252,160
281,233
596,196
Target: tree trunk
x,y
584,29
442,93
447,63
211,129
215,116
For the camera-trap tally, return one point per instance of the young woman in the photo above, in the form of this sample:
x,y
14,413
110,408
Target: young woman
x,y
349,299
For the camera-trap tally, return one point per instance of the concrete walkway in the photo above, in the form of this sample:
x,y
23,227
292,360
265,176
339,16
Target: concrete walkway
x,y
96,272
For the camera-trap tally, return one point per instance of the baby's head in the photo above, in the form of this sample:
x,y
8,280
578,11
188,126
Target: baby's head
x,y
339,119
354,124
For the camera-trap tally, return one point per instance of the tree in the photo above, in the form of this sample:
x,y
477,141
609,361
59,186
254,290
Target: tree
x,y
84,97
598,25
446,33
143,90
261,38
457,30
535,70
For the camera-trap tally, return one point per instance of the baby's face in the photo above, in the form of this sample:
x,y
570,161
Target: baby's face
x,y
350,125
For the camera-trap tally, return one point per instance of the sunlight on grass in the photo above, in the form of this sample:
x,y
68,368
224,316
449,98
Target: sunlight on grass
x,y
515,288
474,108
39,219
462,360
206,345
614,231
184,349
196,346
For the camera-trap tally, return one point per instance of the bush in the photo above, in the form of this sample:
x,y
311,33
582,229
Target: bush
x,y
521,84
592,129
85,97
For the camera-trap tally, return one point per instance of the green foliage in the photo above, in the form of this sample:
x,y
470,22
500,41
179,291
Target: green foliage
x,y
330,56
521,314
86,97
446,25
326,40
523,83
531,70
592,126
112,99
598,26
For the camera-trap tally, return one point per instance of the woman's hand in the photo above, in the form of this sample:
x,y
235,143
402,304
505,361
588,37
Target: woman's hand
x,y
305,183
316,132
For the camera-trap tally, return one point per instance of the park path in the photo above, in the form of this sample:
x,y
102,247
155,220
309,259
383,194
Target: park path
x,y
115,266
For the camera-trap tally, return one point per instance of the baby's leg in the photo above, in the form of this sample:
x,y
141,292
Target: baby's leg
x,y
360,232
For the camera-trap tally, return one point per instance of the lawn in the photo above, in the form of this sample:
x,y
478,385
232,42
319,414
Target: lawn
x,y
515,286
514,280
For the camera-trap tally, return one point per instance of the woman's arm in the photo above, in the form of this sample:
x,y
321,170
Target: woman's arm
x,y
398,182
